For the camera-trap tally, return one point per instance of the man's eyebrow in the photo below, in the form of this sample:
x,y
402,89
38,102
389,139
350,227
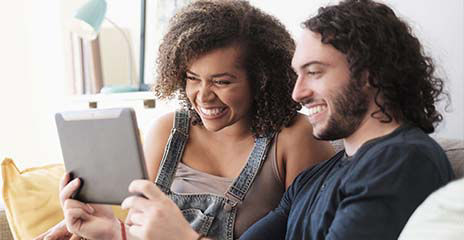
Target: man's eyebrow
x,y
313,63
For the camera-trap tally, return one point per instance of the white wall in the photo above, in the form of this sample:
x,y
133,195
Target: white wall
x,y
32,80
126,14
438,24
34,76
11,61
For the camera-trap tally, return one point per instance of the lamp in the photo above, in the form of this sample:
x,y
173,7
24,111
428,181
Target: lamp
x,y
89,18
86,24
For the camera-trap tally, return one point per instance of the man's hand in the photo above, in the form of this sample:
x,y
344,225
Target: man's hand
x,y
155,216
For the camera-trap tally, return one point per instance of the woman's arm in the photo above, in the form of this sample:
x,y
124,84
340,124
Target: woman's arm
x,y
155,142
297,149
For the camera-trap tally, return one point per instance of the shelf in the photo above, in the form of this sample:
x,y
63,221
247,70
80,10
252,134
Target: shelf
x,y
114,99
146,106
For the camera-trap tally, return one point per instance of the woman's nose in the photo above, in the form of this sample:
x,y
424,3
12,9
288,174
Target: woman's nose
x,y
206,93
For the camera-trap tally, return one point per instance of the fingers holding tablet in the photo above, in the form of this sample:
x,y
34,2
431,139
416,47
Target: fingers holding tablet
x,y
154,214
67,189
146,188
64,180
145,191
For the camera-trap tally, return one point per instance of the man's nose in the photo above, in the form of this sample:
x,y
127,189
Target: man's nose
x,y
301,90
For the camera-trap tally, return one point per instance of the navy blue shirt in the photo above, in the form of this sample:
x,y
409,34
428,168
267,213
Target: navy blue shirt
x,y
369,195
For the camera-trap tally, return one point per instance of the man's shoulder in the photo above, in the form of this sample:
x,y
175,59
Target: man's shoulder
x,y
409,148
312,173
408,139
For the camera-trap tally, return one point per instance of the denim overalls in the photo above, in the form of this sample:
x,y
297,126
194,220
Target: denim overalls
x,y
210,214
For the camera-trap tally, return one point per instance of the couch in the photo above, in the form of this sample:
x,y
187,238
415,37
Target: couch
x,y
5,233
453,148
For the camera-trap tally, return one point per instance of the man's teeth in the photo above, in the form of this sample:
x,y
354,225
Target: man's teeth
x,y
316,109
211,111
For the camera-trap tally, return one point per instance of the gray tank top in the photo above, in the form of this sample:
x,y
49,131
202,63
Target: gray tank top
x,y
264,192
264,195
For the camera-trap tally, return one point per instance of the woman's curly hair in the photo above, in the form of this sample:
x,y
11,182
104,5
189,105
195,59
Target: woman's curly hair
x,y
267,50
375,40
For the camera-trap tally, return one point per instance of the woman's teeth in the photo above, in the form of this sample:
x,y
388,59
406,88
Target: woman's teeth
x,y
212,111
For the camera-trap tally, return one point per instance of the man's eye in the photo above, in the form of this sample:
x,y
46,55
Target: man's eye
x,y
314,72
192,78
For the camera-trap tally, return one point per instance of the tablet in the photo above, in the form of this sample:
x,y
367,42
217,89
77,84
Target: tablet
x,y
102,147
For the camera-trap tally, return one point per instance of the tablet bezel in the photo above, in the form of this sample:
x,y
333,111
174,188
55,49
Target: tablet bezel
x,y
103,148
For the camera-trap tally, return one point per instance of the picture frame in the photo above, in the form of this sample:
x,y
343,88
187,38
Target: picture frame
x,y
158,14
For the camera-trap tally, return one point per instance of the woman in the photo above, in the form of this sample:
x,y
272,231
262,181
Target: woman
x,y
227,157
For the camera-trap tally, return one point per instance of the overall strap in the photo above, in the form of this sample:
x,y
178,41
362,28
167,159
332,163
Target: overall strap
x,y
173,151
239,188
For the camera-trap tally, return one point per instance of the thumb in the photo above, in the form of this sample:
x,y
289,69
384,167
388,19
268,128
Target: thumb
x,y
75,237
60,233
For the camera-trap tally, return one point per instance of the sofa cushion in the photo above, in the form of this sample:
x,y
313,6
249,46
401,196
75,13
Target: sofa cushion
x,y
454,149
5,233
31,198
440,216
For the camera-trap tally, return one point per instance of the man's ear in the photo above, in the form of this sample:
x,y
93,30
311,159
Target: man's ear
x,y
365,79
366,85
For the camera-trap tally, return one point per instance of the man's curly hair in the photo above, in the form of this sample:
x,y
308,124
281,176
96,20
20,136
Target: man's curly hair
x,y
267,49
375,40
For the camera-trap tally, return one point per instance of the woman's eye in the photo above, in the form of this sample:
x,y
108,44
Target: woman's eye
x,y
222,82
192,78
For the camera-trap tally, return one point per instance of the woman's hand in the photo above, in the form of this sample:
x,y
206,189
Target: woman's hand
x,y
88,221
57,232
154,216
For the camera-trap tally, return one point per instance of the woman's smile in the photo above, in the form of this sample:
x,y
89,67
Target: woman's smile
x,y
212,113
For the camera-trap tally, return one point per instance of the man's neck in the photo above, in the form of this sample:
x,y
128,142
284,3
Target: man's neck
x,y
370,128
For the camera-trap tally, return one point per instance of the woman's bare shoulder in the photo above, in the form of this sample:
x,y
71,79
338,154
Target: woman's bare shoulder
x,y
155,142
300,125
160,126
299,149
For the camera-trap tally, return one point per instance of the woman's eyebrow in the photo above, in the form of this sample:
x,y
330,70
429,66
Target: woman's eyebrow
x,y
190,72
217,75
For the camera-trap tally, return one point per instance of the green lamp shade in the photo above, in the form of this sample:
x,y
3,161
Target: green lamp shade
x,y
89,18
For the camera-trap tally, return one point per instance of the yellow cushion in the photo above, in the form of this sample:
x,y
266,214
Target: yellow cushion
x,y
31,198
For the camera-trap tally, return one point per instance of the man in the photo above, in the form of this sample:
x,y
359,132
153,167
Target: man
x,y
364,79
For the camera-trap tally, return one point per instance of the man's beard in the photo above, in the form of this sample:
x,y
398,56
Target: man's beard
x,y
350,106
